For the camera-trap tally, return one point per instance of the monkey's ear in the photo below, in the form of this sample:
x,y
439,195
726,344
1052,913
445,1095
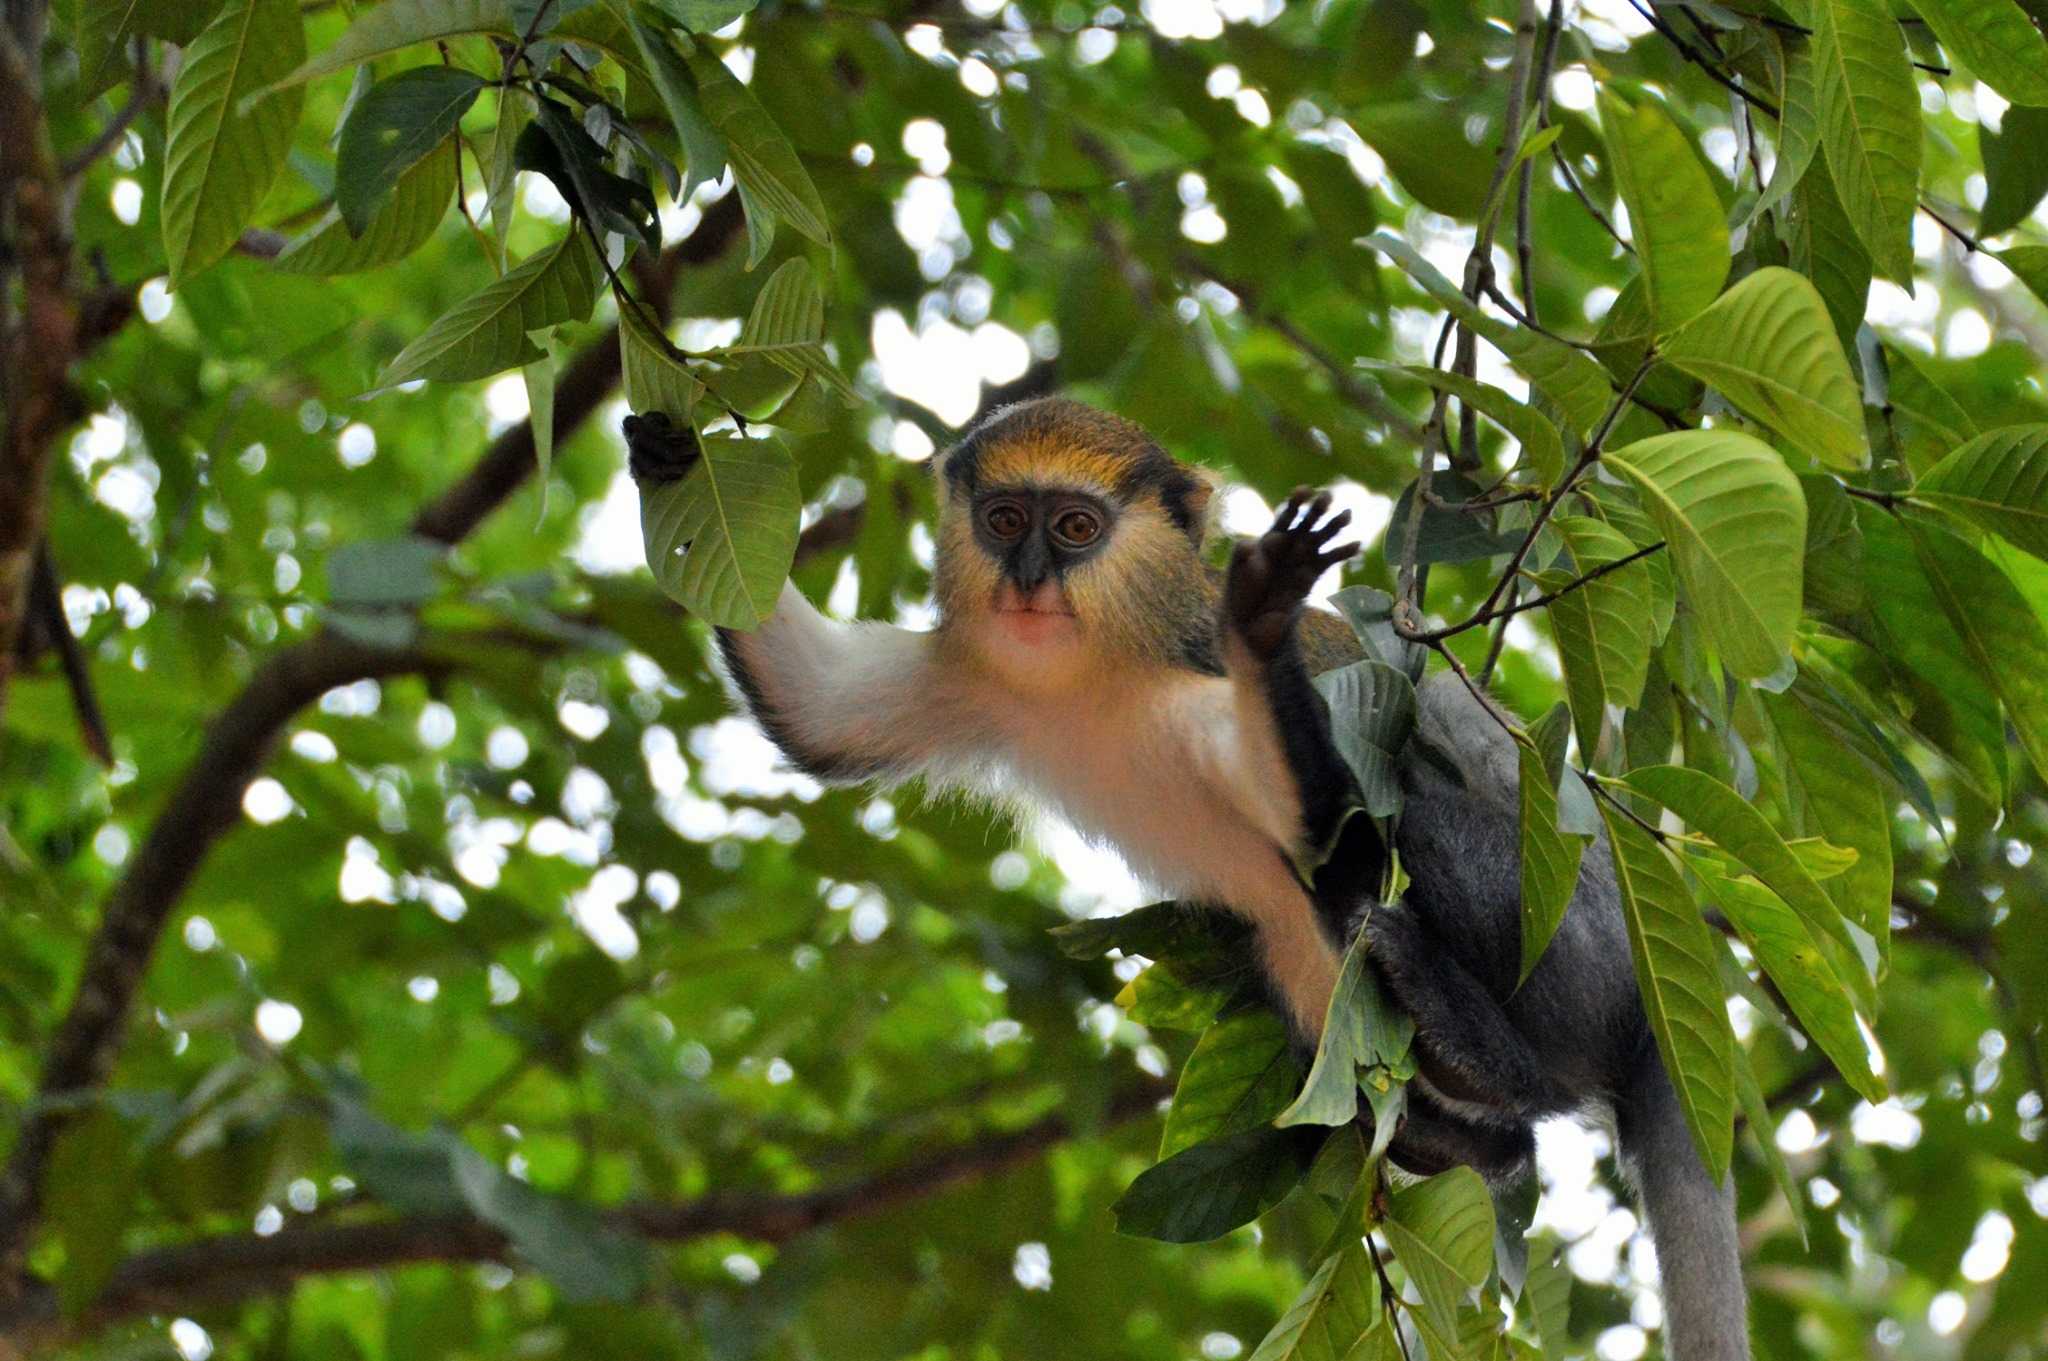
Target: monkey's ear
x,y
1204,505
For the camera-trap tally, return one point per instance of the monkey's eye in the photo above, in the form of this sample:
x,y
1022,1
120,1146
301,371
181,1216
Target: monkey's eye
x,y
1077,528
1005,520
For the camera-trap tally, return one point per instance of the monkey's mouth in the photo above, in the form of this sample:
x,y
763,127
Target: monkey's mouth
x,y
1046,600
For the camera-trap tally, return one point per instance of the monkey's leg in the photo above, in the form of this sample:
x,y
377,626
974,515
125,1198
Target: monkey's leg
x,y
1268,580
1433,1140
1469,1049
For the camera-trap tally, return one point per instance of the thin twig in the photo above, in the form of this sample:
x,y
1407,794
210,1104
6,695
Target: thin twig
x,y
1969,242
1510,609
1389,1296
1693,55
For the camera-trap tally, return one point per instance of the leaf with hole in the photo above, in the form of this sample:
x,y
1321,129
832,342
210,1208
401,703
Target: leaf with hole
x,y
721,540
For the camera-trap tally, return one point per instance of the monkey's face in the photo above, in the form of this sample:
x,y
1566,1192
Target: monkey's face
x,y
1066,536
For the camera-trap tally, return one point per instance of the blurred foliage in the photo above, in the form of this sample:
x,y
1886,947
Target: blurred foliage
x,y
524,933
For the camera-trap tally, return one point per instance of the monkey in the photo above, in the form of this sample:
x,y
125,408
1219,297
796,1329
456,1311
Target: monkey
x,y
1089,659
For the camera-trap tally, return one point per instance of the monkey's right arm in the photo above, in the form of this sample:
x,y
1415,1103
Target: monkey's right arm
x,y
844,702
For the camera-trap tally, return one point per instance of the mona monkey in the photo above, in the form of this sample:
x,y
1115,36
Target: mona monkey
x,y
1088,660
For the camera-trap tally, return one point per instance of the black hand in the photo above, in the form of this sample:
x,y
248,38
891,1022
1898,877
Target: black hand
x,y
658,451
1270,576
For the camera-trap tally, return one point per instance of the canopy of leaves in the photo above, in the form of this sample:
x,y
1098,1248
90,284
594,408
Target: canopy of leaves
x,y
404,953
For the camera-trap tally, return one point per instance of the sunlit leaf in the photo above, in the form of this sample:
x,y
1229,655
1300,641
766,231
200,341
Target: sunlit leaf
x,y
721,540
1441,1230
1241,1074
2000,480
1542,448
1333,1311
773,183
1673,212
1996,40
1870,124
488,333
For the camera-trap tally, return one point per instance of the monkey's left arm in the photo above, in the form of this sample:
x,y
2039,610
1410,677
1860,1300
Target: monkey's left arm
x,y
1275,752
844,702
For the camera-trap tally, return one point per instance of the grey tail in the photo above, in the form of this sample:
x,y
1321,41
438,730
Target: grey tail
x,y
1692,1222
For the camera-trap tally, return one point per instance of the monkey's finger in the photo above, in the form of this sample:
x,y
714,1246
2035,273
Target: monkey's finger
x,y
1329,557
1318,507
1329,528
1290,509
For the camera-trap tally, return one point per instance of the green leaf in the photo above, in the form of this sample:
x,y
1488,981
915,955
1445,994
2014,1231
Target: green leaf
x,y
1953,706
1735,521
394,127
1603,627
1337,1307
2029,265
539,377
1769,346
1996,40
1206,1191
1825,249
2015,169
1674,215
586,1257
1675,974
703,149
1173,995
1577,384
705,16
787,328
1241,1074
2002,634
1372,711
1798,127
1542,449
1834,549
489,332
405,223
721,540
1729,819
107,29
1442,1232
1870,125
557,146
1423,143
774,186
1547,1297
90,1191
655,379
1550,859
382,573
1370,612
502,175
398,24
2000,480
1919,397
219,160
1364,1038
1789,953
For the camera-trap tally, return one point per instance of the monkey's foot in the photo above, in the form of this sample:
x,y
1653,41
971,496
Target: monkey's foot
x,y
1271,575
658,451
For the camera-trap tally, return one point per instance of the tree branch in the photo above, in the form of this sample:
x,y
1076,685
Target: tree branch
x,y
237,1266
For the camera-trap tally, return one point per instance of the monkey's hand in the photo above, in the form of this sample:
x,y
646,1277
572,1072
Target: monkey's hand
x,y
1271,575
658,451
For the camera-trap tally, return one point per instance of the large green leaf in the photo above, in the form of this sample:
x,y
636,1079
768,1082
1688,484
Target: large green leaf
x,y
488,333
1675,216
1769,346
1423,143
1577,384
2015,168
219,159
1550,858
1340,1303
2029,265
1542,449
1729,820
1206,1191
1996,40
1442,1232
654,376
1680,987
1735,521
721,540
107,29
2003,635
405,223
2000,480
1836,790
787,328
1870,125
1241,1074
1794,961
773,184
395,126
